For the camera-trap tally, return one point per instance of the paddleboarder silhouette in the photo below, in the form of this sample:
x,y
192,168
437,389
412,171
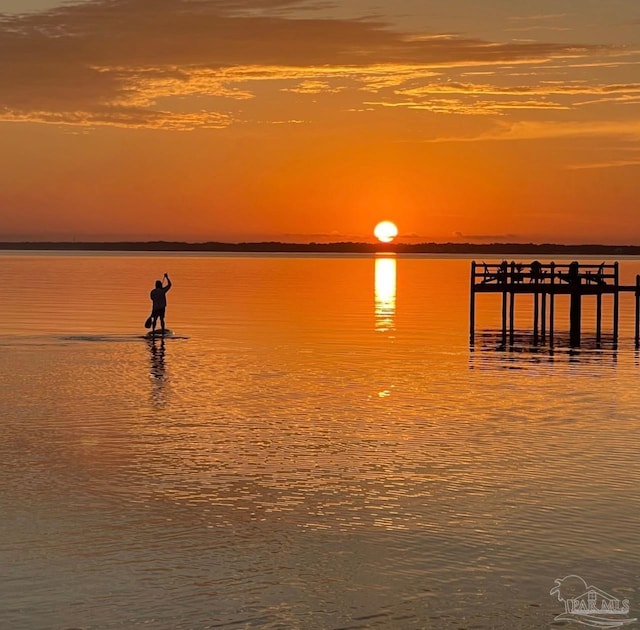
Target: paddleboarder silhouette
x,y
159,300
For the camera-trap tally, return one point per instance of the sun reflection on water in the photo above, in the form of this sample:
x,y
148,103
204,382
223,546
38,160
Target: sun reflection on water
x,y
385,293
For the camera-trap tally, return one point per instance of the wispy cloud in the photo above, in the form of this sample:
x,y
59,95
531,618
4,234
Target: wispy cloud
x,y
313,87
627,130
324,236
623,156
479,98
537,22
466,98
485,237
479,108
542,89
536,17
604,164
123,117
111,62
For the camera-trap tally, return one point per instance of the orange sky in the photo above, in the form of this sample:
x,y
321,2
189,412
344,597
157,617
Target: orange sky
x,y
308,121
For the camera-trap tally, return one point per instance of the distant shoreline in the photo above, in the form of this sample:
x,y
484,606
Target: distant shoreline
x,y
539,249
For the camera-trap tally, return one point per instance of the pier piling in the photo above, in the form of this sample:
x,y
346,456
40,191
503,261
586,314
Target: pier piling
x,y
543,330
472,305
637,331
616,302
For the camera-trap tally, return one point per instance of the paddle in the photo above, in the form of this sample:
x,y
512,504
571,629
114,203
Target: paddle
x,y
147,324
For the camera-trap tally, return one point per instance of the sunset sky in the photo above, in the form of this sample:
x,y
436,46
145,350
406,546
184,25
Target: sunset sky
x,y
235,120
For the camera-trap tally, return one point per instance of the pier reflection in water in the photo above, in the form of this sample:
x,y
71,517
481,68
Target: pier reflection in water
x,y
385,293
490,352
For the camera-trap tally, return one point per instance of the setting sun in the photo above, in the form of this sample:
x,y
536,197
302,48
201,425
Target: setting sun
x,y
385,231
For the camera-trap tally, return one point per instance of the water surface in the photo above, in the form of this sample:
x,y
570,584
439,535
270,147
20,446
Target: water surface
x,y
318,448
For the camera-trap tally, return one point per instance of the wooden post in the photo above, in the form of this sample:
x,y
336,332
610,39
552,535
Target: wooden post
x,y
616,303
504,317
536,315
543,321
512,299
575,318
512,308
575,308
552,301
472,304
598,317
637,311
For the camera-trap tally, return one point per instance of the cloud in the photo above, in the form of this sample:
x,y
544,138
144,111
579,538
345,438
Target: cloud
x,y
537,22
525,29
528,129
123,117
439,96
538,17
485,237
413,236
606,164
110,62
313,87
628,130
323,236
468,108
542,89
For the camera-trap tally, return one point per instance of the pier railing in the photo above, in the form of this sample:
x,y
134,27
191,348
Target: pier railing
x,y
545,281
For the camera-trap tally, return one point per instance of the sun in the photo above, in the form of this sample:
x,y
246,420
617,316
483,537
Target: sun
x,y
385,231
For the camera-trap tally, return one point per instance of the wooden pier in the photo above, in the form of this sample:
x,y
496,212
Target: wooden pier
x,y
545,281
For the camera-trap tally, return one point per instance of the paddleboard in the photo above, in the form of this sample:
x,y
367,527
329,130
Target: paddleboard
x,y
158,333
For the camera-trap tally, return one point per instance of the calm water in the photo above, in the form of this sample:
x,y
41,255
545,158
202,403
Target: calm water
x,y
318,448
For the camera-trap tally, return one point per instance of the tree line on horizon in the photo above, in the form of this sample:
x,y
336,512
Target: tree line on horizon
x,y
336,247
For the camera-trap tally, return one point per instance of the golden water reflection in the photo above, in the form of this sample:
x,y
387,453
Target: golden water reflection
x,y
385,293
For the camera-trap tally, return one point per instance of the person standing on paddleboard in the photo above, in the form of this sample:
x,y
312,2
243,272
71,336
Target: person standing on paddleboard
x,y
159,298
